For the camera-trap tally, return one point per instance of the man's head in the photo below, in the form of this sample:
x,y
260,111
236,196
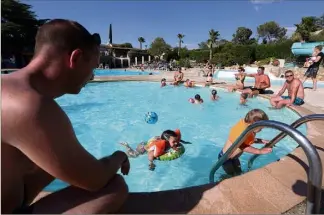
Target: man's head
x,y
260,70
67,52
318,48
179,69
289,75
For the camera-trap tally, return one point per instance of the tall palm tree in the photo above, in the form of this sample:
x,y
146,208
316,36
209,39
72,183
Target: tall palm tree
x,y
180,36
141,40
213,37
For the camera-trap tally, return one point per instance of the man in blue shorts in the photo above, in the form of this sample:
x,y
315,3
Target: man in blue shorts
x,y
295,92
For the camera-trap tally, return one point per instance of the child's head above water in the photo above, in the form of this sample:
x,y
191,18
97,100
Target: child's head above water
x,y
214,92
255,115
197,97
170,136
163,80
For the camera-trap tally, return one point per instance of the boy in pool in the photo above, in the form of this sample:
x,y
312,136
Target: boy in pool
x,y
243,98
163,82
232,165
157,146
214,95
196,100
189,83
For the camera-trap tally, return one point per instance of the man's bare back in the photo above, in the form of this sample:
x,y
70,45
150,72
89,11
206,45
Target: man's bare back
x,y
37,139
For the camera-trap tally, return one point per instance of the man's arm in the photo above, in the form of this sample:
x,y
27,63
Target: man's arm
x,y
45,135
283,89
318,58
250,75
294,87
267,84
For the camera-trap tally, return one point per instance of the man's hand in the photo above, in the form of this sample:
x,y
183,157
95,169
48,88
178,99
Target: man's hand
x,y
125,167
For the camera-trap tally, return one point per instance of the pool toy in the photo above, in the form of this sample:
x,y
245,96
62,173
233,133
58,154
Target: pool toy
x,y
151,117
171,154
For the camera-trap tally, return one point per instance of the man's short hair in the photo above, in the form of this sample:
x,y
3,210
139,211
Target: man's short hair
x,y
319,47
65,35
261,67
289,71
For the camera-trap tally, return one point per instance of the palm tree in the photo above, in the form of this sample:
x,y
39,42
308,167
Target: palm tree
x,y
213,37
180,36
141,40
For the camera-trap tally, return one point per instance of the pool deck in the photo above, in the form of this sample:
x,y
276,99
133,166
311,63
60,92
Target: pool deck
x,y
272,189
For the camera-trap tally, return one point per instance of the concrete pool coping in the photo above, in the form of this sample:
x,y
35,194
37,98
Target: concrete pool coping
x,y
267,190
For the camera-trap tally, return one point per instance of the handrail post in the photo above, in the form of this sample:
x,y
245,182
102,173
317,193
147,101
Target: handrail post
x,y
296,124
314,182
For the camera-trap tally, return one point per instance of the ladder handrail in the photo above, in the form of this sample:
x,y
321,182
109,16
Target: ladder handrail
x,y
314,182
296,124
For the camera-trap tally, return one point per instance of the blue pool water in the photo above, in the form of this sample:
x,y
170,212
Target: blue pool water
x,y
104,114
115,72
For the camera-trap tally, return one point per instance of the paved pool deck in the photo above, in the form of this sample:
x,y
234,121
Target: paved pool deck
x,y
272,189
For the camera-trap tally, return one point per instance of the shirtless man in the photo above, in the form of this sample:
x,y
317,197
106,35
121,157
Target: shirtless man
x,y
178,76
295,92
262,82
37,139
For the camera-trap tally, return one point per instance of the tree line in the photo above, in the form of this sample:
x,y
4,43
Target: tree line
x,y
20,24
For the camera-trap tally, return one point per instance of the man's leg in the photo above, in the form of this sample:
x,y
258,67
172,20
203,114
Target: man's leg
x,y
282,103
314,83
274,100
74,200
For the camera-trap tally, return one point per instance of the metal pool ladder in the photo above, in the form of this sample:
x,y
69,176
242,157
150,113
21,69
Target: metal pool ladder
x,y
314,181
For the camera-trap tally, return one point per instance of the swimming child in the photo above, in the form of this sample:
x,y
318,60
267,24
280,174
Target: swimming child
x,y
233,166
196,100
189,83
158,146
243,98
163,82
214,95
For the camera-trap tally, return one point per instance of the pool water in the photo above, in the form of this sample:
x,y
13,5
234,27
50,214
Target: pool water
x,y
115,72
105,114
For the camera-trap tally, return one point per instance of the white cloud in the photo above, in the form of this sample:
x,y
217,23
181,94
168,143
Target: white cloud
x,y
290,30
257,3
256,8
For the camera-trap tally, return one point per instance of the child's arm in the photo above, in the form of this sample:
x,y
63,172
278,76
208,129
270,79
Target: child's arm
x,y
262,141
253,150
151,158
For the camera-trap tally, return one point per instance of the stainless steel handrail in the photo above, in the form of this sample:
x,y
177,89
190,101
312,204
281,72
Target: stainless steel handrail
x,y
296,124
314,181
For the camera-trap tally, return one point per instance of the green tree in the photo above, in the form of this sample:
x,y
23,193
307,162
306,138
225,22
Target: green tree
x,y
19,26
271,31
242,36
306,26
320,22
213,37
159,47
203,45
180,37
141,40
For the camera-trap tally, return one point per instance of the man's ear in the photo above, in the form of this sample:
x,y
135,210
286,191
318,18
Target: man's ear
x,y
75,57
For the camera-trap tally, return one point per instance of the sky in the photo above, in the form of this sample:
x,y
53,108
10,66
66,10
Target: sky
x,y
167,18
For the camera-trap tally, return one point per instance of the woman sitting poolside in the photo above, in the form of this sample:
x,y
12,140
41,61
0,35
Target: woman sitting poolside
x,y
240,77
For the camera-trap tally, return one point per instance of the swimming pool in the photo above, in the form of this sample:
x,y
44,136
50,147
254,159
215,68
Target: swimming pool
x,y
104,114
116,72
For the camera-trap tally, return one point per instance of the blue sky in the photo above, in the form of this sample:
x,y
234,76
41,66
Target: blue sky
x,y
151,19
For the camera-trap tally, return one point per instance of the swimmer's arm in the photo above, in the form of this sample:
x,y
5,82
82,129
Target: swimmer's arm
x,y
46,136
150,155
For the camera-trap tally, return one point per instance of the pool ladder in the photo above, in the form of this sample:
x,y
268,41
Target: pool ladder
x,y
314,182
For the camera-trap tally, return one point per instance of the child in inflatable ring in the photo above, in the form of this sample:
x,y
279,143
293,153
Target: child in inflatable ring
x,y
157,146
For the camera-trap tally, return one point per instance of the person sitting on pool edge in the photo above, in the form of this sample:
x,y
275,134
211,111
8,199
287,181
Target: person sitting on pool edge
x,y
196,100
178,76
157,146
295,89
232,165
243,98
163,82
189,83
214,95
